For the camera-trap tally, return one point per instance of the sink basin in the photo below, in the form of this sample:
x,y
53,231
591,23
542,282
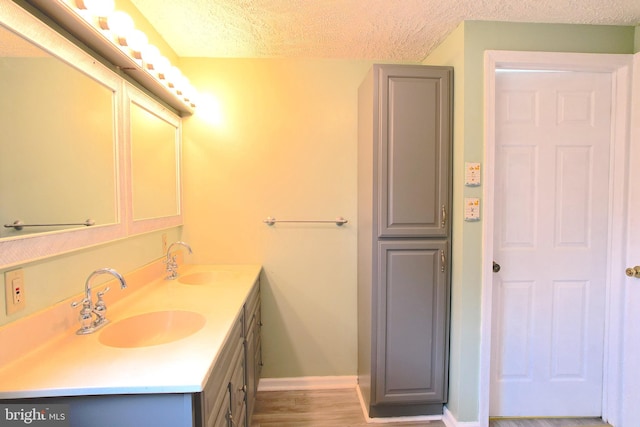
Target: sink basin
x,y
158,327
204,277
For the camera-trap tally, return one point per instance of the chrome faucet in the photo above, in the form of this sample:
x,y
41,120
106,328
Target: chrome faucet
x,y
87,323
172,264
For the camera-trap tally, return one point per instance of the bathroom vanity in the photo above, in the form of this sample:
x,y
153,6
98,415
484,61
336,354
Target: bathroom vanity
x,y
184,352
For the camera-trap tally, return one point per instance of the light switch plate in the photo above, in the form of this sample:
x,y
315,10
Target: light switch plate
x,y
472,174
472,209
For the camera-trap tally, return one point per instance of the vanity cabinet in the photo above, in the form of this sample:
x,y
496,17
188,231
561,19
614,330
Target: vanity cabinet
x,y
404,156
223,402
229,396
253,349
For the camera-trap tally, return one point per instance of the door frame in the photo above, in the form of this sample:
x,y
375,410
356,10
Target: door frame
x,y
620,67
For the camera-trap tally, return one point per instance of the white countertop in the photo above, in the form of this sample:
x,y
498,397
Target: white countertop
x,y
73,365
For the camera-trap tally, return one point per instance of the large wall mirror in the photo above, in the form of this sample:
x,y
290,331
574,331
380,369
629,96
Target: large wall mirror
x,y
154,155
59,152
78,146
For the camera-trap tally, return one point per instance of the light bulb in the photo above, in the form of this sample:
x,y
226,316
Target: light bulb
x,y
150,55
173,76
189,92
162,65
137,41
120,24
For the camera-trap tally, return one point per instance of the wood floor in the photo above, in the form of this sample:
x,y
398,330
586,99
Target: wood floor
x,y
317,408
550,422
341,408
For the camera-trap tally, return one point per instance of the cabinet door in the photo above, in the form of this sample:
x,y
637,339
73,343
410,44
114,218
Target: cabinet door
x,y
415,141
252,371
412,327
252,349
238,390
223,416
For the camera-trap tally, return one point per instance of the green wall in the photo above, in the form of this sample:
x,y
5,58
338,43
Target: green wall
x,y
49,281
464,49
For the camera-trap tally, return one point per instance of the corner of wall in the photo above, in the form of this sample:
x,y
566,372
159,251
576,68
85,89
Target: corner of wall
x,y
452,52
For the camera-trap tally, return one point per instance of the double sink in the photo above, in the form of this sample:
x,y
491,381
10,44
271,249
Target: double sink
x,y
161,327
164,336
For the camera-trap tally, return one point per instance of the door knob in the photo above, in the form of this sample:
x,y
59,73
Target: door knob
x,y
633,271
496,267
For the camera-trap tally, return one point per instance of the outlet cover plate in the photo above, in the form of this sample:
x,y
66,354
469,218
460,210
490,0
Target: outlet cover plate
x,y
14,290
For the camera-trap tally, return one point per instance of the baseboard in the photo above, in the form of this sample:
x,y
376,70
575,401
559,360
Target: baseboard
x,y
382,420
450,421
347,381
307,383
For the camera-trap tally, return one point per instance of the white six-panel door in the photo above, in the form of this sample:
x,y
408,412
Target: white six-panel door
x,y
631,322
553,135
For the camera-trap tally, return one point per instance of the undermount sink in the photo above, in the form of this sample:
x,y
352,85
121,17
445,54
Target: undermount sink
x,y
204,277
154,328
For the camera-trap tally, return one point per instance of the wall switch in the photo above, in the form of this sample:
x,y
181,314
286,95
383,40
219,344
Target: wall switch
x,y
14,287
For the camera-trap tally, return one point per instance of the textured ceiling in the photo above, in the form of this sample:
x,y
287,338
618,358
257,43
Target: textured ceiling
x,y
393,30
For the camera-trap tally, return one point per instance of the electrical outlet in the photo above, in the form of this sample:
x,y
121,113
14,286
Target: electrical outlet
x,y
164,243
14,290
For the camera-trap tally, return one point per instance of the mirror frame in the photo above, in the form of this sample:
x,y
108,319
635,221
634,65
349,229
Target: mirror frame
x,y
23,249
133,95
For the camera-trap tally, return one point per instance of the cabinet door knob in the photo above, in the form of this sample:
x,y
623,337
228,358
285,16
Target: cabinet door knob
x,y
496,267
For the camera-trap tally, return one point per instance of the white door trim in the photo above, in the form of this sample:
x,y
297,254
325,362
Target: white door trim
x,y
619,66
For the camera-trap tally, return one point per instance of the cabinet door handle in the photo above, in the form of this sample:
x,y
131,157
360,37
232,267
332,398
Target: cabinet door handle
x,y
443,261
443,222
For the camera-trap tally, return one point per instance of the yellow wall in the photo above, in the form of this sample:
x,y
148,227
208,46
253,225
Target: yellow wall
x,y
286,148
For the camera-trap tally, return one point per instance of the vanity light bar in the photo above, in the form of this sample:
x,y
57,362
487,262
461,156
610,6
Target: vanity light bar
x,y
112,34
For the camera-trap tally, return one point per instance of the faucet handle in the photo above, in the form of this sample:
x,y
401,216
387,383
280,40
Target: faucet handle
x,y
84,302
100,305
101,293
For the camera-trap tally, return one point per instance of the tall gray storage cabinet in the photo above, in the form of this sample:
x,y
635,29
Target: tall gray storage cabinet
x,y
404,157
